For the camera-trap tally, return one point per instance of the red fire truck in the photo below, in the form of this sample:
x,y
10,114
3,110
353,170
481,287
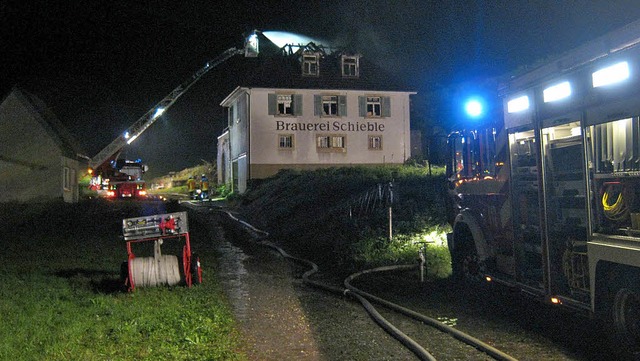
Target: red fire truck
x,y
547,198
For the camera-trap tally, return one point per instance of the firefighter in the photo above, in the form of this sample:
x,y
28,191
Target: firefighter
x,y
191,187
204,186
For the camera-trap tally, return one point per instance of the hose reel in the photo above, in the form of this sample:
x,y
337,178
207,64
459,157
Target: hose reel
x,y
159,269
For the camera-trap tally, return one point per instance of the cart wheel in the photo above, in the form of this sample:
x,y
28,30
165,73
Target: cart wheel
x,y
196,271
124,273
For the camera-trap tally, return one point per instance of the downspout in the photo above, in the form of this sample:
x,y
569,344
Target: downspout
x,y
248,101
405,122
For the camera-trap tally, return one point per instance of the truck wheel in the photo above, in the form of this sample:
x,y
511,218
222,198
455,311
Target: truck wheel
x,y
466,267
626,320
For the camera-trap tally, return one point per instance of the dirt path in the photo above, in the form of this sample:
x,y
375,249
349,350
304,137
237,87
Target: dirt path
x,y
259,286
267,306
283,319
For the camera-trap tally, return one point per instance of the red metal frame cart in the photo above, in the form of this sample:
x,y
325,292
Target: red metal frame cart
x,y
159,269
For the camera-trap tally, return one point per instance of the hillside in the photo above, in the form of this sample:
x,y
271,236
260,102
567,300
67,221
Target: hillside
x,y
339,216
176,181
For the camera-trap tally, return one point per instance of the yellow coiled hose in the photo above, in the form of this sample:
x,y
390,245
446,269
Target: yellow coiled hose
x,y
618,210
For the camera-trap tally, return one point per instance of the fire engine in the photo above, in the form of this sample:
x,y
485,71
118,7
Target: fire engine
x,y
113,177
547,198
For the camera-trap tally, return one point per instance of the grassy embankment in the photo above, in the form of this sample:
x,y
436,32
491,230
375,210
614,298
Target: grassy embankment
x,y
332,216
61,298
177,182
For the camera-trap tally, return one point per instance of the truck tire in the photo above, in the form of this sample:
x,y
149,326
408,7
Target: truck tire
x,y
467,269
626,322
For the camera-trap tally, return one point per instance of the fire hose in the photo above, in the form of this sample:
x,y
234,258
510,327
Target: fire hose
x,y
364,299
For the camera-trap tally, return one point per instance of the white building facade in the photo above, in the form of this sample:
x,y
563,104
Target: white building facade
x,y
272,128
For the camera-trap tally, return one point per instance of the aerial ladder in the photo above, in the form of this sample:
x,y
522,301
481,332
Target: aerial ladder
x,y
100,163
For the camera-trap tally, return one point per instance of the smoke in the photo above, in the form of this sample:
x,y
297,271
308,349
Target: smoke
x,y
282,38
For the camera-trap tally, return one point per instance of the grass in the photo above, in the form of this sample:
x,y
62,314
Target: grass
x,y
320,215
61,297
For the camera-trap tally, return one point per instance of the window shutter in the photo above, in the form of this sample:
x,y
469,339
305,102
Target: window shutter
x,y
317,105
342,105
386,106
273,104
362,106
297,104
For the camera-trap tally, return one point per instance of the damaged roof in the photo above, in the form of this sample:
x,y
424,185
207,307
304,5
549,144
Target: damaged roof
x,y
282,68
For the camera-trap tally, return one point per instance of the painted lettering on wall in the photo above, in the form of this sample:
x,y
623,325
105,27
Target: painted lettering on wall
x,y
336,126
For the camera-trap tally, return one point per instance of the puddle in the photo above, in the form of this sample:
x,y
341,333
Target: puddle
x,y
448,321
232,274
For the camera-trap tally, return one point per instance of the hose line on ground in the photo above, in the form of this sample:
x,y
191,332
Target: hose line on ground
x,y
364,298
470,340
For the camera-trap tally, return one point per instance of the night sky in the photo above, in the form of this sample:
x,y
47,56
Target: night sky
x,y
100,65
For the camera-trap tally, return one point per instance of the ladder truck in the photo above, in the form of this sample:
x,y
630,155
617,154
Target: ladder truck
x,y
115,178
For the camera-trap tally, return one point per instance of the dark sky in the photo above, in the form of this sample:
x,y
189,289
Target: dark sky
x,y
100,65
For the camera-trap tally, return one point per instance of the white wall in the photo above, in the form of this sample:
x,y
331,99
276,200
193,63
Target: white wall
x,y
264,131
33,170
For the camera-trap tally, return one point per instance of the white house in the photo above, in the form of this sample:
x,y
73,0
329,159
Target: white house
x,y
39,160
310,109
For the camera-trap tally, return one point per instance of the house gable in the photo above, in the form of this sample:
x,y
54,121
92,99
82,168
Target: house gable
x,y
38,160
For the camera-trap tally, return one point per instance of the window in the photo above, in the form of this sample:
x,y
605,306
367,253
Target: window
x,y
323,141
233,115
330,105
285,104
331,143
337,141
375,142
310,64
285,141
374,106
350,66
66,179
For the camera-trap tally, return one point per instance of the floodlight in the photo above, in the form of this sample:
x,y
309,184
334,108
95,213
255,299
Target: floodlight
x,y
611,74
158,112
132,139
518,104
557,92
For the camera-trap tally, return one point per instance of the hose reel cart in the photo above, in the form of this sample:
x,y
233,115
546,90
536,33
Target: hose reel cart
x,y
150,233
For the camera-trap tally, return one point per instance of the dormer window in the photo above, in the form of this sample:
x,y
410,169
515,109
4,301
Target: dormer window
x,y
350,66
310,64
